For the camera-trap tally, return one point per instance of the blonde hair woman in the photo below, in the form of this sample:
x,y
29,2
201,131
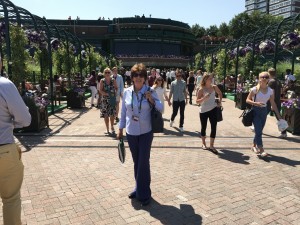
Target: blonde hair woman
x,y
208,109
258,97
108,90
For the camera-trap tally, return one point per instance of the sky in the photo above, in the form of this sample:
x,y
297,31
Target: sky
x,y
203,12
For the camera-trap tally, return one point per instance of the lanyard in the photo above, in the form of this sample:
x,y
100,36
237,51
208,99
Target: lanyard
x,y
137,97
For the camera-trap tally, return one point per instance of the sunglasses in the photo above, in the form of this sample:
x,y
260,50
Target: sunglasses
x,y
265,77
138,75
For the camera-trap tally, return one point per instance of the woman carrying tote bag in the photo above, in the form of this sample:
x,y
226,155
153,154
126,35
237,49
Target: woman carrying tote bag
x,y
137,105
258,98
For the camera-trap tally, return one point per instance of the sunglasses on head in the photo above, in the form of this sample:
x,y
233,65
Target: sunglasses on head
x,y
264,77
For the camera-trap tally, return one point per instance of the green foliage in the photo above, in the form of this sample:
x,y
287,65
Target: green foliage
x,y
246,63
198,30
42,58
94,59
63,60
219,69
223,30
19,55
212,30
243,24
198,61
207,64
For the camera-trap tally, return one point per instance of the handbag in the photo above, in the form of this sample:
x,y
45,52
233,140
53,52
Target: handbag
x,y
157,121
219,114
248,115
121,151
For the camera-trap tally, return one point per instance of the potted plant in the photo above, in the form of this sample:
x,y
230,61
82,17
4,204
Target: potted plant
x,y
291,113
38,109
75,97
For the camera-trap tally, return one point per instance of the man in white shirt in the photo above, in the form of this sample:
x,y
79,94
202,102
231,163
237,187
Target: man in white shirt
x,y
290,81
289,77
168,75
128,77
13,114
119,94
172,74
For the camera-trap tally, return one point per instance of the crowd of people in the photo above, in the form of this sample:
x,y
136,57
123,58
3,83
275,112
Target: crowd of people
x,y
152,56
145,90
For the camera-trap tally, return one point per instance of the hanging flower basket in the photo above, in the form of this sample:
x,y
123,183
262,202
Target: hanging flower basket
x,y
267,46
290,40
36,39
83,54
55,44
245,50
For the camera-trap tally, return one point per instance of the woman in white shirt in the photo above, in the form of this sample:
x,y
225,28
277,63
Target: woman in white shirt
x,y
160,91
258,97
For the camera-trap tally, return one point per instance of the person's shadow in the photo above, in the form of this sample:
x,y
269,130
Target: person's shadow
x,y
235,157
280,159
170,215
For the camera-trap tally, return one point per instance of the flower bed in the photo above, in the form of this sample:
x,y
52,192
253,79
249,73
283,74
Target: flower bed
x,y
291,113
38,110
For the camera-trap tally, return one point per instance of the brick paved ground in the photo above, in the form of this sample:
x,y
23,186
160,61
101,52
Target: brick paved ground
x,y
73,176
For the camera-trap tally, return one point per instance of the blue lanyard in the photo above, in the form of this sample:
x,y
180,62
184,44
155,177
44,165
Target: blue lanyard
x,y
137,97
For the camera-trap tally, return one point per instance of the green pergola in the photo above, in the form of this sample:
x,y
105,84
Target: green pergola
x,y
12,14
271,32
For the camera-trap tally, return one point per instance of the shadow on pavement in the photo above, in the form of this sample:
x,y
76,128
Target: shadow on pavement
x,y
280,159
235,157
290,139
57,122
170,215
176,132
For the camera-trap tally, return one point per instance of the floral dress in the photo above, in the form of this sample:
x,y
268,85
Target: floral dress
x,y
108,103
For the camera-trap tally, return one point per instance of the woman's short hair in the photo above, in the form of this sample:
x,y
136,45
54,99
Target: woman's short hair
x,y
178,71
139,69
272,72
107,69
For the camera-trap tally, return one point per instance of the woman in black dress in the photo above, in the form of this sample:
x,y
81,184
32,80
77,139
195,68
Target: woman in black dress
x,y
191,85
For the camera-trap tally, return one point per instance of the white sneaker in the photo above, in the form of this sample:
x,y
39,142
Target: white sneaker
x,y
283,135
181,129
171,123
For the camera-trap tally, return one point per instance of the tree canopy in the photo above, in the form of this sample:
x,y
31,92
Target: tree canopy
x,y
239,25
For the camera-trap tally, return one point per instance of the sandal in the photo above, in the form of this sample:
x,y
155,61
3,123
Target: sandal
x,y
204,147
255,150
263,154
214,150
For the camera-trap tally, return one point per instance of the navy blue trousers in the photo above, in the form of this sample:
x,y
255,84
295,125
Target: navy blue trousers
x,y
140,147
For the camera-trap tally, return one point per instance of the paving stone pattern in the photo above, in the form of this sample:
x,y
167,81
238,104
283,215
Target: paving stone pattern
x,y
73,175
